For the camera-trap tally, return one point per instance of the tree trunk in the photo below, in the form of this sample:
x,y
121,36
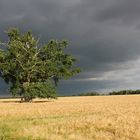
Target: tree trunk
x,y
26,99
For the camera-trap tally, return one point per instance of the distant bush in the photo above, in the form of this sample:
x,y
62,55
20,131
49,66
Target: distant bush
x,y
125,92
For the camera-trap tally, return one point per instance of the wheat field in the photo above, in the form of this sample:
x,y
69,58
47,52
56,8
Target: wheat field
x,y
71,118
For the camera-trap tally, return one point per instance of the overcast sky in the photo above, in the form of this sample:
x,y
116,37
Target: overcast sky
x,y
104,36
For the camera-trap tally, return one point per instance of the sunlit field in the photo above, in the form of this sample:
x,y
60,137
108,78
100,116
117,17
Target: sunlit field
x,y
71,118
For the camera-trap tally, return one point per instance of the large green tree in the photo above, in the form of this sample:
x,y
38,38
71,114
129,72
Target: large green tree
x,y
33,69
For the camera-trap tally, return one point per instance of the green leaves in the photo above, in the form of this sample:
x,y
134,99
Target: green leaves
x,y
26,61
41,90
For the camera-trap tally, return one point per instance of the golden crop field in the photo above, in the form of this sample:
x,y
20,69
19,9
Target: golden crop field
x,y
72,118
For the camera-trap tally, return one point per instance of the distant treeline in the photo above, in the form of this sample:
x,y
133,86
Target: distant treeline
x,y
88,94
121,92
125,92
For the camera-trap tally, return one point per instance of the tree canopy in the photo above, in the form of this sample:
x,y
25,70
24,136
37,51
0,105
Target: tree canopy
x,y
33,69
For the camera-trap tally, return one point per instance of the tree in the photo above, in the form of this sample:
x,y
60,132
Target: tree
x,y
31,69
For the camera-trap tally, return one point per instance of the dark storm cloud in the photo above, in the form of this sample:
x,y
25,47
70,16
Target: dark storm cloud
x,y
122,11
103,34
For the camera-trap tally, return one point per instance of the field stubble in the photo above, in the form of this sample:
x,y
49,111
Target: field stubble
x,y
72,118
